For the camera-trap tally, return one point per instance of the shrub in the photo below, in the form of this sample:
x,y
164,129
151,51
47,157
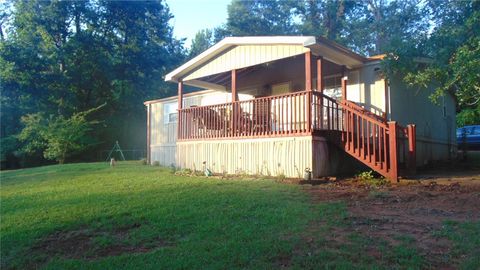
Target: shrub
x,y
368,178
57,136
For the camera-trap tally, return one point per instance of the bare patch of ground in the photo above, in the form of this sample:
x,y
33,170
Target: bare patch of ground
x,y
413,208
93,244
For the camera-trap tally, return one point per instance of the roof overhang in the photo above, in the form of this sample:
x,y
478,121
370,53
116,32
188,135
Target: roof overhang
x,y
321,46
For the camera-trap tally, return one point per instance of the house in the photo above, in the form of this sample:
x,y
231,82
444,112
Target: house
x,y
281,105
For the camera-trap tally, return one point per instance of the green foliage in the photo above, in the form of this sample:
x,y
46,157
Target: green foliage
x,y
469,116
377,26
65,57
203,40
259,17
58,137
9,145
368,178
453,56
325,18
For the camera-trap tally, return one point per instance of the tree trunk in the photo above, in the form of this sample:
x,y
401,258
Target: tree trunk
x,y
2,37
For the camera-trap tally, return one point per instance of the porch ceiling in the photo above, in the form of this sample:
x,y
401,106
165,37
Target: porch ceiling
x,y
220,81
241,53
336,53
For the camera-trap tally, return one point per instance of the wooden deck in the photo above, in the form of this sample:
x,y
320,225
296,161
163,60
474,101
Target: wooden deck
x,y
273,116
367,137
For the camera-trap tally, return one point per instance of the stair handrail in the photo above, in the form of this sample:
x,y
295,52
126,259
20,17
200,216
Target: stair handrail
x,y
362,110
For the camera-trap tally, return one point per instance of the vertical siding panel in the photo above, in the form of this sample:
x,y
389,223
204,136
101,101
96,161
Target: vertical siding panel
x,y
289,156
246,55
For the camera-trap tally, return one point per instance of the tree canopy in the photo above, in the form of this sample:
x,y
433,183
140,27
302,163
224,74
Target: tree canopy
x,y
60,59
443,33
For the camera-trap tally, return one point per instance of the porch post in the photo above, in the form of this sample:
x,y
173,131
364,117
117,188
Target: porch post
x,y
233,117
344,99
308,71
180,95
386,98
320,74
234,85
308,87
344,83
412,148
319,87
180,107
149,110
392,137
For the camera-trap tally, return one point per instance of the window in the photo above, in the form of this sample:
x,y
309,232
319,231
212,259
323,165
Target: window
x,y
333,86
170,114
172,117
281,88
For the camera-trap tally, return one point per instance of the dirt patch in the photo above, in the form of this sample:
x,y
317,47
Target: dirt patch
x,y
413,208
92,244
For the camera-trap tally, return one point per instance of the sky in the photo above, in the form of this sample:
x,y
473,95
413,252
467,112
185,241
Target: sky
x,y
191,16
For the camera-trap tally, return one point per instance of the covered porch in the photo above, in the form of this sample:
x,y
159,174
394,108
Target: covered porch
x,y
278,115
291,96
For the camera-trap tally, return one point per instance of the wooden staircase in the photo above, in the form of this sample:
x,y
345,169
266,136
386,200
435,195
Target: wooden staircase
x,y
375,142
370,139
383,146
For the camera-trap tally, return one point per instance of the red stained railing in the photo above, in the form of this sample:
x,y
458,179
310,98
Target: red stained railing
x,y
279,115
379,144
327,113
365,136
367,139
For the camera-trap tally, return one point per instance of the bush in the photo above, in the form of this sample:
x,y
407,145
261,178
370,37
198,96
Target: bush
x,y
57,136
184,172
368,178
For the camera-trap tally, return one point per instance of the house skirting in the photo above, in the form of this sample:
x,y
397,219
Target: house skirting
x,y
164,154
288,156
283,156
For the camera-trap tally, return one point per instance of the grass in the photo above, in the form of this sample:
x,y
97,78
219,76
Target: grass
x,y
466,242
92,216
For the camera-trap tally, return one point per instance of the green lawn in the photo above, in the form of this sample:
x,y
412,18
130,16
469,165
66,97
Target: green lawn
x,y
132,216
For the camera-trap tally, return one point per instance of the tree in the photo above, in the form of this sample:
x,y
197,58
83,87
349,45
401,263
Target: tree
x,y
325,18
257,18
380,26
56,136
64,57
203,40
454,52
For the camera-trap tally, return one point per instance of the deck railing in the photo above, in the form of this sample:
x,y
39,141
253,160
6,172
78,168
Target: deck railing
x,y
367,138
364,135
327,113
280,115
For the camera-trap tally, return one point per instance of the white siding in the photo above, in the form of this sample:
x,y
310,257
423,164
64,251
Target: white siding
x,y
436,137
245,56
287,156
366,86
163,136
